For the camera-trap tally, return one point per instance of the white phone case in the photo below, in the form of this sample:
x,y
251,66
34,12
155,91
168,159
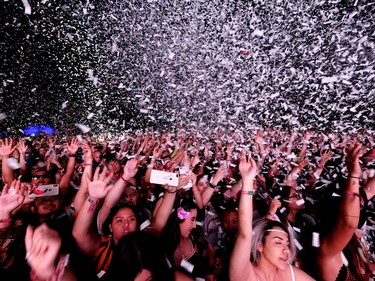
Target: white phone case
x,y
44,190
162,177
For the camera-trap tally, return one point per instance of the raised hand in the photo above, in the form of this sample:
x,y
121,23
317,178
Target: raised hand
x,y
195,160
99,188
230,148
206,151
21,147
274,206
11,197
308,135
219,175
157,152
302,163
324,157
87,151
73,147
259,137
130,169
51,143
183,180
247,167
42,248
6,147
353,153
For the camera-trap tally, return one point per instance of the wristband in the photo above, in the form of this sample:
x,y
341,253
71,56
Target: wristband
x,y
171,192
354,177
213,186
5,220
356,195
72,155
247,192
123,179
86,164
92,204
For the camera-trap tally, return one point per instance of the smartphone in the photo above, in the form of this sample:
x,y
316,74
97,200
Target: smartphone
x,y
185,170
44,190
162,177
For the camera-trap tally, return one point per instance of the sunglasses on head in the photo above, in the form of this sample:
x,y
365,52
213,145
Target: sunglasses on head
x,y
37,177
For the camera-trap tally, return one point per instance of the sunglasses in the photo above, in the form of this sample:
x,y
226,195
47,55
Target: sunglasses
x,y
296,195
37,177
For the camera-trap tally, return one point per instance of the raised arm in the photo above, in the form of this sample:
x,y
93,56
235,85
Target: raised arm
x,y
349,209
43,255
155,155
87,239
6,149
324,157
115,193
10,199
67,177
219,175
22,148
240,265
196,194
82,192
291,178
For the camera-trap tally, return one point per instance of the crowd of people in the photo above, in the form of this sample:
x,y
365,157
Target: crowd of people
x,y
262,205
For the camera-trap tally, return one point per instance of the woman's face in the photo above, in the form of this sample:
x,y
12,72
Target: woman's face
x,y
202,185
276,249
230,222
123,223
130,195
296,200
188,224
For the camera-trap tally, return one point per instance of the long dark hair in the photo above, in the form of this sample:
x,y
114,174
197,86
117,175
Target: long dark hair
x,y
171,234
137,251
114,210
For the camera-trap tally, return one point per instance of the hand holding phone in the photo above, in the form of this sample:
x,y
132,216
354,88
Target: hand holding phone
x,y
162,177
44,190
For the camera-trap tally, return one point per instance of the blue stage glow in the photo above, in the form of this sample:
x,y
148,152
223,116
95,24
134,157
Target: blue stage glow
x,y
36,129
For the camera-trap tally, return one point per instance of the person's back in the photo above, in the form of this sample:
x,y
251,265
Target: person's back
x,y
138,256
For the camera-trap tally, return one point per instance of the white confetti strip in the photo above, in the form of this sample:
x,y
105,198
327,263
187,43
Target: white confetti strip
x,y
27,7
